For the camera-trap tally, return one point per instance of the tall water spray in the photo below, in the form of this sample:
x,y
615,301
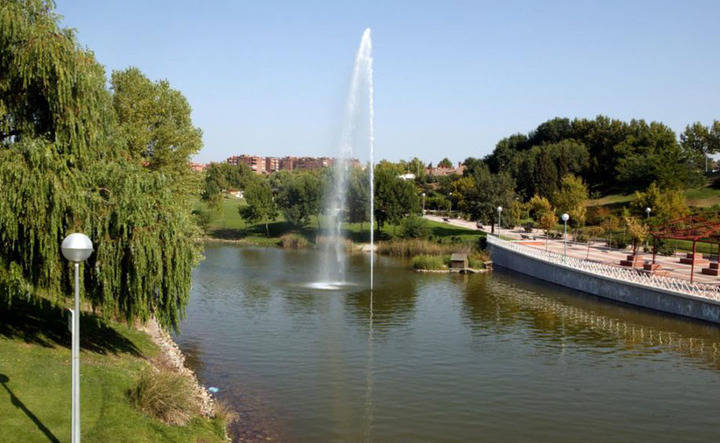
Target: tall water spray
x,y
332,269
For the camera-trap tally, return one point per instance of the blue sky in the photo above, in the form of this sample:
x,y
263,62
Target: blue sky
x,y
451,78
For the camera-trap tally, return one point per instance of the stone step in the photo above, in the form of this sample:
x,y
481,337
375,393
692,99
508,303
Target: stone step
x,y
711,271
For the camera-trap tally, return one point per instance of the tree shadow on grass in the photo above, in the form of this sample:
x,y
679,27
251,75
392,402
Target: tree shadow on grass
x,y
276,229
38,321
4,379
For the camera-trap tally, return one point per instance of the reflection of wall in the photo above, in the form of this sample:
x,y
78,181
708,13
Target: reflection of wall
x,y
605,287
691,339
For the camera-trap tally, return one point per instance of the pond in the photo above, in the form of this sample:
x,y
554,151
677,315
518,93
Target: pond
x,y
438,357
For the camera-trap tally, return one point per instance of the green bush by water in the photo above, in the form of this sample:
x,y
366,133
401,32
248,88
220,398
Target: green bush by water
x,y
429,262
164,395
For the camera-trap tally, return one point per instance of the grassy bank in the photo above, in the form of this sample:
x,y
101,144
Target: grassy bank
x,y
702,197
35,380
228,225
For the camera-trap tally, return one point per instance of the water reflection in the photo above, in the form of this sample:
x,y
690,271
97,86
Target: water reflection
x,y
555,315
441,357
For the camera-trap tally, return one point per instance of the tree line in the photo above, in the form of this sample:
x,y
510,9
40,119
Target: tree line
x,y
609,154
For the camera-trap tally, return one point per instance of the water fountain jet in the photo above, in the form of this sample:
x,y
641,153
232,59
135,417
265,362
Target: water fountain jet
x,y
333,262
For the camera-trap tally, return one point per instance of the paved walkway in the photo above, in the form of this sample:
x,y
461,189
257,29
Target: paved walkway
x,y
594,251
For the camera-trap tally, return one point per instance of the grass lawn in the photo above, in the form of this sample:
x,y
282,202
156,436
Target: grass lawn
x,y
704,196
228,224
611,200
35,380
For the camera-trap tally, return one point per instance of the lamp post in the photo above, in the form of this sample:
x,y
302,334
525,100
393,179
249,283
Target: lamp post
x,y
423,195
647,211
565,217
499,210
76,248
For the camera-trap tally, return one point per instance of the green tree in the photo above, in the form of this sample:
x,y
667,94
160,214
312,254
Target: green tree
x,y
460,189
651,153
155,121
69,165
637,230
417,167
220,177
445,163
260,205
299,198
547,222
358,196
664,205
537,206
489,192
701,140
572,198
394,197
414,226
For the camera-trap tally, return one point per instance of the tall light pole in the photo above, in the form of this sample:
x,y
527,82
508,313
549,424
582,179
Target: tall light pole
x,y
565,217
423,195
647,211
76,248
450,198
499,210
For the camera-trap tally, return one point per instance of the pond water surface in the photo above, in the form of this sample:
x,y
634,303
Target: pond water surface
x,y
489,357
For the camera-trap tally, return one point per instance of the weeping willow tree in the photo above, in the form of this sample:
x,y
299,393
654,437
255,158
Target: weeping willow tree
x,y
73,157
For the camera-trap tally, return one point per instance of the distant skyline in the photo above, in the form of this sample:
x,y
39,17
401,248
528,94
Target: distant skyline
x,y
452,78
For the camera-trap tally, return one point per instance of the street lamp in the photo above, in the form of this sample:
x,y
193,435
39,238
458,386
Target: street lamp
x,y
647,211
423,195
499,210
76,248
565,217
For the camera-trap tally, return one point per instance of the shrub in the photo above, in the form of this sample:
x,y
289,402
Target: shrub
x,y
579,236
429,262
619,241
224,412
165,395
477,260
665,248
414,227
413,247
203,218
293,241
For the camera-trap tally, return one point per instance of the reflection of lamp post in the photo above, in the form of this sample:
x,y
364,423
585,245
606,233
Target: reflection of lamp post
x,y
423,194
76,248
565,218
499,210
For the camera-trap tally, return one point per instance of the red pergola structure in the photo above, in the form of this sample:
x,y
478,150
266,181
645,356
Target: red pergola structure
x,y
692,228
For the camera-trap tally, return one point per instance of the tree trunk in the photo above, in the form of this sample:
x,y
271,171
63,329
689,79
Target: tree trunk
x,y
267,229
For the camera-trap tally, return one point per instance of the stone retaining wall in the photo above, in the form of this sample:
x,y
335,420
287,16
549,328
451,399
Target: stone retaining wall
x,y
626,292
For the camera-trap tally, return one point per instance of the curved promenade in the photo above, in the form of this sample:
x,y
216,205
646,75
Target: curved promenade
x,y
675,296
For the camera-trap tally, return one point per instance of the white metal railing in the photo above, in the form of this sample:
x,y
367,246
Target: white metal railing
x,y
677,285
